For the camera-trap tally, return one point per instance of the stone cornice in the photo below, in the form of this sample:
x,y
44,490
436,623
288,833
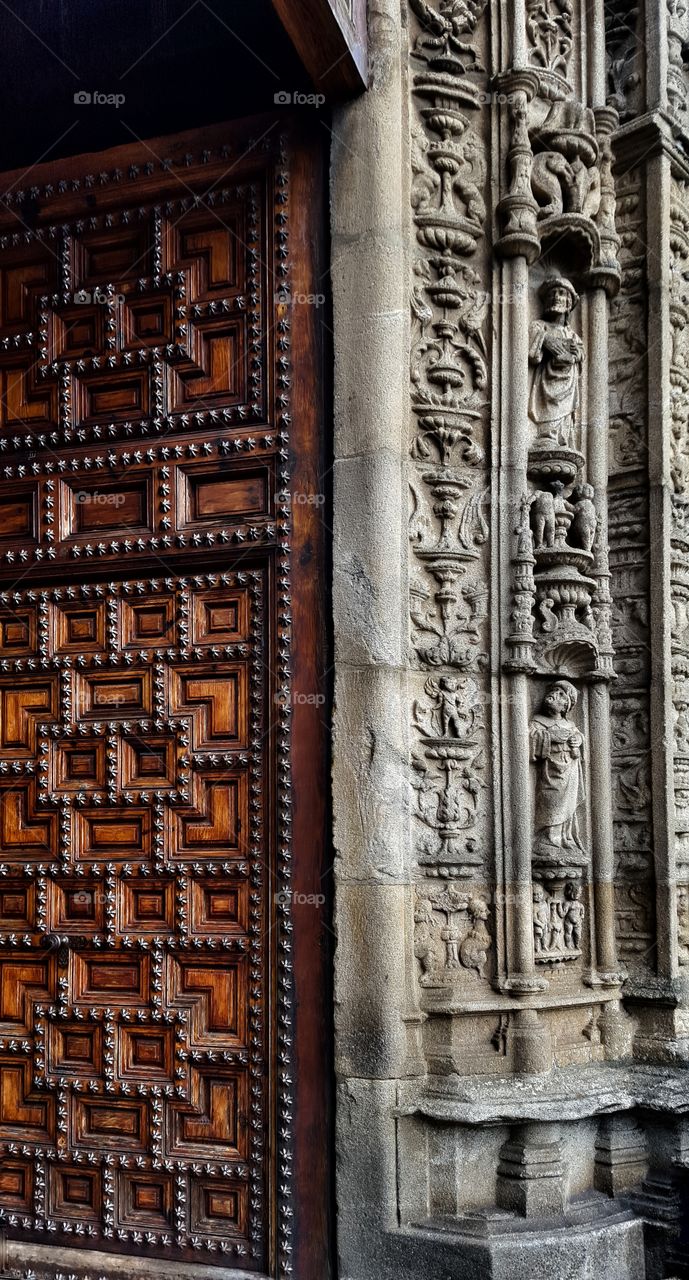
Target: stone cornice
x,y
566,1093
652,134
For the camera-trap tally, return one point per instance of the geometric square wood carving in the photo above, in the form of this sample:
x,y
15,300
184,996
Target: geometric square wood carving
x,y
144,776
132,984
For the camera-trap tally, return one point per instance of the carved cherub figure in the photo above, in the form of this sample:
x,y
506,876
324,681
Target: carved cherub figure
x,y
541,918
473,951
573,916
546,507
563,511
556,352
557,910
582,530
543,518
454,716
427,949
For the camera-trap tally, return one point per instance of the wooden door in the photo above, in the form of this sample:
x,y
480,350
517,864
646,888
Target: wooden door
x,y
159,401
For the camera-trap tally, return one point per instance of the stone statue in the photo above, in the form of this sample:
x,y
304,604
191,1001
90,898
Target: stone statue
x,y
573,916
541,919
556,750
584,521
427,949
473,951
556,352
543,518
557,910
551,513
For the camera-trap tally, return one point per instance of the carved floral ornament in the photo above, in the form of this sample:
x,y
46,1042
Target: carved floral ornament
x,y
449,527
557,212
549,33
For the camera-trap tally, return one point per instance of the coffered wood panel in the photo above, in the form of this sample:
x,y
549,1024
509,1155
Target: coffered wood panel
x,y
146,373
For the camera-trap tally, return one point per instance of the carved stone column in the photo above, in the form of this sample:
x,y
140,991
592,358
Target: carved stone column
x,y
530,1172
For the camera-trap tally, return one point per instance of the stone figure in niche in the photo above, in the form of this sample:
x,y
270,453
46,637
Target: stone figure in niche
x,y
426,947
573,916
541,918
556,750
556,353
584,521
681,718
550,512
543,518
556,924
473,951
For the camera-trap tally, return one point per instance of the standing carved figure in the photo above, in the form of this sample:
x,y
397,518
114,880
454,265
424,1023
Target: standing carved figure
x,y
551,512
573,916
556,750
473,951
557,911
453,713
556,352
583,528
541,918
427,949
543,518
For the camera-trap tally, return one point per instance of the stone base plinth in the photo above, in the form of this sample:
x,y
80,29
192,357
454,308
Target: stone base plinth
x,y
593,1238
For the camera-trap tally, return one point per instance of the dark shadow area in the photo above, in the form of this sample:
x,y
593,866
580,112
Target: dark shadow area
x,y
179,64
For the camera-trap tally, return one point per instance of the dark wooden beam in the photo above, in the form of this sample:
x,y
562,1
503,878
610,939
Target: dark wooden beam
x,y
330,39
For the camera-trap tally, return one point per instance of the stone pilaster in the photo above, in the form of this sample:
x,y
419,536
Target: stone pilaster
x,y
649,398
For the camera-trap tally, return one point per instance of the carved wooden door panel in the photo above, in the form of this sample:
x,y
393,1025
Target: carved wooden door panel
x,y
146,373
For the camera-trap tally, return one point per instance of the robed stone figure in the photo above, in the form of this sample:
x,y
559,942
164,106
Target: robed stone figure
x,y
555,353
556,745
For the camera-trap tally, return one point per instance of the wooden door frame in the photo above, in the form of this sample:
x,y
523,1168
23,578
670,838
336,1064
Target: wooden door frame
x,y
312,1007
330,38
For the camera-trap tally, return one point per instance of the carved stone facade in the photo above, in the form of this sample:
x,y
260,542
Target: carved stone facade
x,y
513,886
